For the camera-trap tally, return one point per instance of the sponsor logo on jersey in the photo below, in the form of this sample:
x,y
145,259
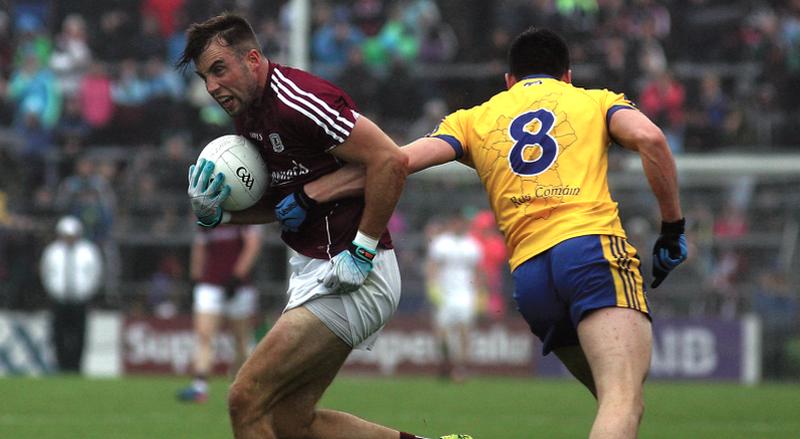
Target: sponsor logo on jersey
x,y
285,176
256,136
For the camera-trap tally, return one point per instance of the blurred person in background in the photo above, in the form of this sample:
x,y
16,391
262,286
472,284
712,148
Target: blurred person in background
x,y
221,265
71,270
493,260
454,284
541,150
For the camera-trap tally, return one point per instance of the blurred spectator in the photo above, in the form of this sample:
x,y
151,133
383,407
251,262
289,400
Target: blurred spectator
x,y
96,103
37,96
395,43
6,46
113,41
493,262
164,13
149,43
331,43
166,288
71,271
129,93
662,99
87,195
71,55
31,39
708,120
369,16
360,84
438,45
71,134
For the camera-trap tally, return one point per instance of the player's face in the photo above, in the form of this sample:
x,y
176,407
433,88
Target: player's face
x,y
230,78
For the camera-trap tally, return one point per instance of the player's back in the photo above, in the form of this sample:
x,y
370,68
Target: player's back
x,y
541,149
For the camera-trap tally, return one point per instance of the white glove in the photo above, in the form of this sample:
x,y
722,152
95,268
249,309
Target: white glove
x,y
207,198
349,269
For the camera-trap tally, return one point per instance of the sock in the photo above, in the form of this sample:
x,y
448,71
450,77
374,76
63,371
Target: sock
x,y
200,383
409,436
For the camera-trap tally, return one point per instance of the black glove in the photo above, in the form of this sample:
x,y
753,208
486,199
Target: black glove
x,y
231,286
669,250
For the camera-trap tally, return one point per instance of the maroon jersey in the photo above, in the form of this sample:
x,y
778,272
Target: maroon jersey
x,y
223,244
298,121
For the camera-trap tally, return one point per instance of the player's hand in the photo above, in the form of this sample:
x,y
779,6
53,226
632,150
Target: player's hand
x,y
291,211
232,285
207,198
349,269
669,250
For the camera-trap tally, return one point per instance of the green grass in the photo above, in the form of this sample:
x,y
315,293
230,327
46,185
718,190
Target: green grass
x,y
487,408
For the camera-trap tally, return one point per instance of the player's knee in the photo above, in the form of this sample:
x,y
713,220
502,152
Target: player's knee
x,y
291,427
243,404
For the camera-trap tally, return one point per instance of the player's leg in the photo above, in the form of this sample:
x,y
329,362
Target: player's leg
x,y
575,361
206,320
240,310
599,277
304,350
618,345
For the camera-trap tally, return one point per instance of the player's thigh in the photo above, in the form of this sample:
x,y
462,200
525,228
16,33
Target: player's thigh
x,y
575,361
299,349
618,344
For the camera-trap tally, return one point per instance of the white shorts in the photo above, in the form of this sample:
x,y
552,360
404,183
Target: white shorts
x,y
451,315
210,299
355,317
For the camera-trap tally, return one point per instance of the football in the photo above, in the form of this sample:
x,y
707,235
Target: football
x,y
244,169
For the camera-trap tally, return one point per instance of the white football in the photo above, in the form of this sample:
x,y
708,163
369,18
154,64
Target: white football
x,y
244,169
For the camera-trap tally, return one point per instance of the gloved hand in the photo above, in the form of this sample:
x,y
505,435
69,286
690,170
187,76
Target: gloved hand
x,y
291,211
669,250
232,285
350,268
207,198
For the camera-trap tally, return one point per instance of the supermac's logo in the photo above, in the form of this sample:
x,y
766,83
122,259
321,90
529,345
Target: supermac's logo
x,y
245,176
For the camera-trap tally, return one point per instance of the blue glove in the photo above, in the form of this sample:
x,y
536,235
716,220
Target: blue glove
x,y
207,198
291,211
349,269
669,250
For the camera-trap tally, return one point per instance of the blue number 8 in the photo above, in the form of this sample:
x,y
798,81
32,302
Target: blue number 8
x,y
524,138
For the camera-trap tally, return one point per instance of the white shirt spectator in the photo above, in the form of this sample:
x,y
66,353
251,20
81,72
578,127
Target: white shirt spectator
x,y
71,267
456,257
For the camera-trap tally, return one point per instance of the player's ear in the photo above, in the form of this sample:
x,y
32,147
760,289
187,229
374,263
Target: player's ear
x,y
510,80
567,76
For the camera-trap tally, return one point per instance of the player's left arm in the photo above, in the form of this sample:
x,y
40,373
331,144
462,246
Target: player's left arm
x,y
262,212
250,251
350,180
635,131
385,170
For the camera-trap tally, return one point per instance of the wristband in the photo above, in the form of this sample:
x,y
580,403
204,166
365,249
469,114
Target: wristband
x,y
366,241
674,227
302,198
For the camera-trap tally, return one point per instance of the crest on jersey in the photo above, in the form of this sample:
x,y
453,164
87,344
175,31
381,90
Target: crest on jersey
x,y
277,143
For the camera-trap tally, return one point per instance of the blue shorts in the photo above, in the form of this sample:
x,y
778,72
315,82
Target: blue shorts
x,y
555,289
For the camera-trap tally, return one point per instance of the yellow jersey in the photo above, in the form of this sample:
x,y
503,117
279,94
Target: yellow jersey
x,y
541,150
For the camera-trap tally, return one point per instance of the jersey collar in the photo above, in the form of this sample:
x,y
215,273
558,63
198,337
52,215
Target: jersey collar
x,y
537,76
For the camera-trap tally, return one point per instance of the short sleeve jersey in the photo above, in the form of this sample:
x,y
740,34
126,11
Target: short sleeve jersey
x,y
298,121
223,246
541,150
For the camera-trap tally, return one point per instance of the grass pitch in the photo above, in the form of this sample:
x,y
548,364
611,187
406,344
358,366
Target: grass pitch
x,y
487,408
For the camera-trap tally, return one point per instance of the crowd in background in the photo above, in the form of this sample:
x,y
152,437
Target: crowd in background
x,y
95,121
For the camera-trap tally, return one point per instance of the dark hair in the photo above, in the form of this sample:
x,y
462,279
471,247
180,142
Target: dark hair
x,y
228,29
538,51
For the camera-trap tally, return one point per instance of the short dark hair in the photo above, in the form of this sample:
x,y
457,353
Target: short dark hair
x,y
538,51
228,29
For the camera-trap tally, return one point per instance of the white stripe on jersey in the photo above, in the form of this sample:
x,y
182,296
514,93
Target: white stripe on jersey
x,y
321,124
324,105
